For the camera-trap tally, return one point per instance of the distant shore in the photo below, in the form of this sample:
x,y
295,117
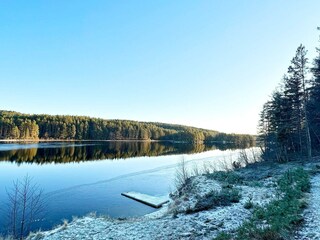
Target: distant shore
x,y
87,140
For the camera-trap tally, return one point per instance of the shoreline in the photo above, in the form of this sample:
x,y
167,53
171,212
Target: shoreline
x,y
256,186
115,140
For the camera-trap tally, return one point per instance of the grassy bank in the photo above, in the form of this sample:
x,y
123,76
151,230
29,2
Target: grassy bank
x,y
280,217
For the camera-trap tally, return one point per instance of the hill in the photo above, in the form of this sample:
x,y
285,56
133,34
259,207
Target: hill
x,y
15,125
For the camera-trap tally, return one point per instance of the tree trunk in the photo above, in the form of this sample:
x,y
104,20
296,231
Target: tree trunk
x,y
308,138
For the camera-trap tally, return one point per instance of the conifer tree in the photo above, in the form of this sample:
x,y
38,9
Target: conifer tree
x,y
314,103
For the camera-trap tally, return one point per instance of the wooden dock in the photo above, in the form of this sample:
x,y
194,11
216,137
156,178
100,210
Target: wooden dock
x,y
151,201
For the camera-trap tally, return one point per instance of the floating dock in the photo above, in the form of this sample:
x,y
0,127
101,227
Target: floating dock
x,y
151,201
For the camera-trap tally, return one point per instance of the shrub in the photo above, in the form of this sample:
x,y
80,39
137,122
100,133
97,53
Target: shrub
x,y
223,236
225,197
248,205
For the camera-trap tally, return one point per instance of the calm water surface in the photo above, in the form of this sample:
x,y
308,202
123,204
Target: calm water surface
x,y
83,177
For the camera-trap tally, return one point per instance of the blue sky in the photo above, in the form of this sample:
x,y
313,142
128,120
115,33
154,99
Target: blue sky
x,y
209,64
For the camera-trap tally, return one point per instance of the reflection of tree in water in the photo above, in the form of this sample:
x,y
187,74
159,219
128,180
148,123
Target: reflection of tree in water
x,y
24,155
105,150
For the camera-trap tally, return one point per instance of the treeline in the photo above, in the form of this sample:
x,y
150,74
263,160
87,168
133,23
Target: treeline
x,y
290,121
14,125
18,128
238,140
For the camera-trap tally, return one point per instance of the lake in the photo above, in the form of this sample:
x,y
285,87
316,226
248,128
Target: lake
x,y
79,178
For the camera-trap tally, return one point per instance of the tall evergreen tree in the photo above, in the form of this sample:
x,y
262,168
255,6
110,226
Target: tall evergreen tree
x,y
284,122
314,103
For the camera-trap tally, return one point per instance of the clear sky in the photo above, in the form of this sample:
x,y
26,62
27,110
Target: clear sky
x,y
209,64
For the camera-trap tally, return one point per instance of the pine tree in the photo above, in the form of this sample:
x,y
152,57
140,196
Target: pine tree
x,y
284,120
296,91
314,106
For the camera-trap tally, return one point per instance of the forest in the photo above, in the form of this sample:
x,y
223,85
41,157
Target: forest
x,y
14,125
289,124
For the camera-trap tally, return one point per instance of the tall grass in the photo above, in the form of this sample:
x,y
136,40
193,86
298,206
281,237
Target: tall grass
x,y
182,174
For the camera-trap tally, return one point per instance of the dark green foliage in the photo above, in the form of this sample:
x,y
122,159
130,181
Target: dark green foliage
x,y
281,215
248,204
240,140
313,104
15,125
295,182
226,177
18,128
223,236
284,125
249,231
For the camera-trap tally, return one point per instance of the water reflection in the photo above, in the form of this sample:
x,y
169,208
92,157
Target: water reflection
x,y
66,152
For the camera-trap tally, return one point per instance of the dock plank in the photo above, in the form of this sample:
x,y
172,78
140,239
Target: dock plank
x,y
151,201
